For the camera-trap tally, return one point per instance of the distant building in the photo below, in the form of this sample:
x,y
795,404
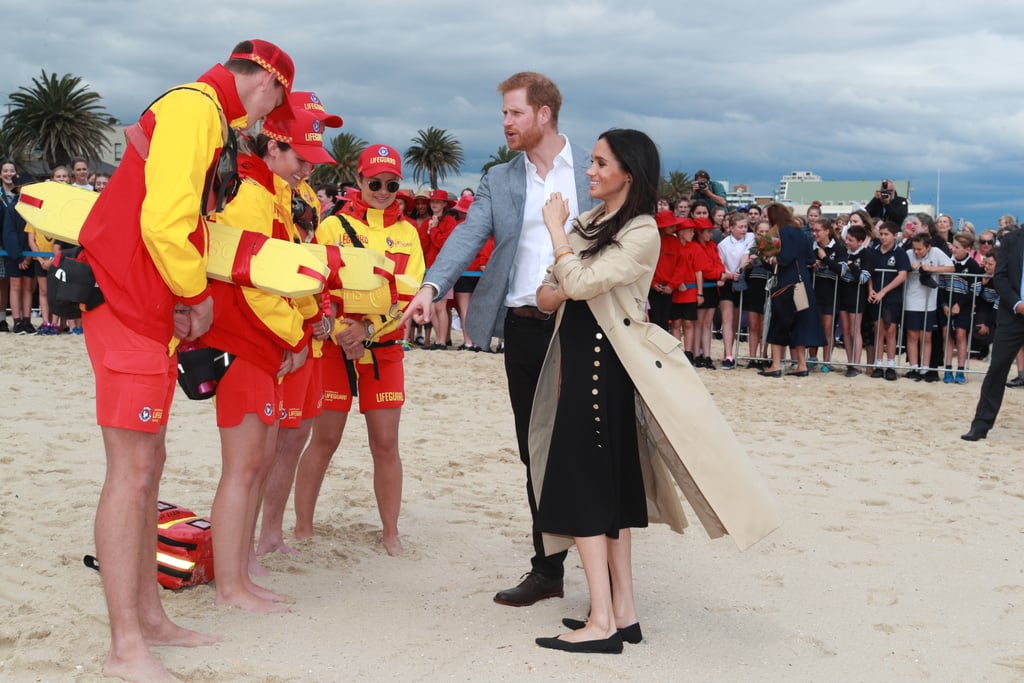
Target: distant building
x,y
800,188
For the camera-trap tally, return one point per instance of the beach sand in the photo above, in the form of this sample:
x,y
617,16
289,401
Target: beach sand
x,y
901,555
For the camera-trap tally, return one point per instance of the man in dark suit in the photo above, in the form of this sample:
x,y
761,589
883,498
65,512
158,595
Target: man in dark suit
x,y
1009,335
508,207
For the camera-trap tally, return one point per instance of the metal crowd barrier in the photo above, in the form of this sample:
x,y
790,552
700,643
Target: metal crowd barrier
x,y
974,289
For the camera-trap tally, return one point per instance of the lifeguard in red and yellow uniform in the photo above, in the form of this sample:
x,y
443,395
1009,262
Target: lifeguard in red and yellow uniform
x,y
269,336
318,393
146,239
373,219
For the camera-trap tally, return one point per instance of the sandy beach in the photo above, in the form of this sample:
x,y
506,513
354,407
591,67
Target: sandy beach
x,y
900,558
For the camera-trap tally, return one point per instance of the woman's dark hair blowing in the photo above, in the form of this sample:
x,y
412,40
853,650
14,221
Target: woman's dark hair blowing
x,y
638,156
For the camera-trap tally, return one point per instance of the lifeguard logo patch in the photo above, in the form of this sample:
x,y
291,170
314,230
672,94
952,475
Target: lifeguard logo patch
x,y
383,151
390,242
268,409
146,414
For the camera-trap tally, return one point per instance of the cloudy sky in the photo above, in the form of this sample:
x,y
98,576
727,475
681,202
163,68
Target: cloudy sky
x,y
848,89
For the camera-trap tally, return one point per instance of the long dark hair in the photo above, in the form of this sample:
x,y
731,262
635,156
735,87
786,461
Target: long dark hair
x,y
638,156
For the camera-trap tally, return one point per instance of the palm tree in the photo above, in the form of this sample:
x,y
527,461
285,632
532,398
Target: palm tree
x,y
434,154
345,148
676,186
57,116
503,155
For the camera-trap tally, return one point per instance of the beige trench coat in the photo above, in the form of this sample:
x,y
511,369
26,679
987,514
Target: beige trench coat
x,y
684,441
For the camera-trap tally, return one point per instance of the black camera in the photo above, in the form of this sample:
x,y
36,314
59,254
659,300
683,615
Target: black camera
x,y
702,184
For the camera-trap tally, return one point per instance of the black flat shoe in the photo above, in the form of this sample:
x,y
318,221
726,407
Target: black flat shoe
x,y
605,646
631,634
798,373
772,373
976,434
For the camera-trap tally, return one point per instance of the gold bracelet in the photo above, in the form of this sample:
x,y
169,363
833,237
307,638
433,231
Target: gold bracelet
x,y
563,255
562,246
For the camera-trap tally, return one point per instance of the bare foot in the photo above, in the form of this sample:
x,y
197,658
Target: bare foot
x,y
144,669
265,593
393,545
255,568
171,634
301,533
248,602
276,544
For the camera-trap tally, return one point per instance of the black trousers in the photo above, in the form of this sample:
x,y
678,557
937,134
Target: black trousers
x,y
526,345
1008,340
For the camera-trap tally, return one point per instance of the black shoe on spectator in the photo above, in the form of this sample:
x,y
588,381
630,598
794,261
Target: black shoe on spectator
x,y
877,373
890,374
1015,382
931,376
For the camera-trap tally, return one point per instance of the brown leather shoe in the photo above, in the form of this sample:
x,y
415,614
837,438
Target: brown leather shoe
x,y
531,589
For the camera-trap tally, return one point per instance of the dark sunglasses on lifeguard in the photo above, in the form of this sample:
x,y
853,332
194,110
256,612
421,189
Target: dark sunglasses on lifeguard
x,y
391,186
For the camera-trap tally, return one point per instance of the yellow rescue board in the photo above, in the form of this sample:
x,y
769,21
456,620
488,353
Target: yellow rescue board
x,y
279,266
379,300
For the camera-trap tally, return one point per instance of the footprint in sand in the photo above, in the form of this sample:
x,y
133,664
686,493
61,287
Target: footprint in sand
x,y
883,597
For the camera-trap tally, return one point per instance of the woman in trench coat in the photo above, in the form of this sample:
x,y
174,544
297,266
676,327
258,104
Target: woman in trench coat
x,y
668,431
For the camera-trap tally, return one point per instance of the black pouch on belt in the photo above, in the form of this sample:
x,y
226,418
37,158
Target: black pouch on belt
x,y
70,284
199,371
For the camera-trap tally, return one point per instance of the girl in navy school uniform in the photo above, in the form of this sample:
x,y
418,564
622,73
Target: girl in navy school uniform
x,y
830,253
885,296
957,305
855,272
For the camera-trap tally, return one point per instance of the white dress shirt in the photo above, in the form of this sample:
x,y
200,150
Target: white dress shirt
x,y
535,254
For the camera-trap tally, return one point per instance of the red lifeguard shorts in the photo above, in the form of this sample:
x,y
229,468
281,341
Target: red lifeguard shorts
x,y
246,388
334,374
302,394
135,375
387,389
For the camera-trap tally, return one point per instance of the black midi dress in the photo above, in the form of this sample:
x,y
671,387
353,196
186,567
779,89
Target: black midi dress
x,y
593,484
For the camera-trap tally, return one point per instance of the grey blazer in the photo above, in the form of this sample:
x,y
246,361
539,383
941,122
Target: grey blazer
x,y
497,210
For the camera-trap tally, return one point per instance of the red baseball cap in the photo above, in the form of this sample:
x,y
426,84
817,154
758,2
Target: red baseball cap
x,y
686,224
703,224
276,61
308,101
377,159
305,134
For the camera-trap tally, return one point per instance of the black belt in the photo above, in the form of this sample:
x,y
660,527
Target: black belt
x,y
529,312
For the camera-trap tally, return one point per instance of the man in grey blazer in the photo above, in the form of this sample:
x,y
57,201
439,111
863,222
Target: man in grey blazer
x,y
508,206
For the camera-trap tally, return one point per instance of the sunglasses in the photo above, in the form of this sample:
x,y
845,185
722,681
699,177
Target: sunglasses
x,y
986,242
391,186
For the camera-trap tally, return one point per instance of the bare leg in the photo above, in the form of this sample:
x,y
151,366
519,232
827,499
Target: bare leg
x,y
18,310
156,625
756,329
728,330
601,623
620,565
382,430
690,336
462,304
253,511
799,354
123,523
279,486
327,431
242,447
440,309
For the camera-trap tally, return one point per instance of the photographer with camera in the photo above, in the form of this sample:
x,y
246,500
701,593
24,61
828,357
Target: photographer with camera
x,y
887,205
706,191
